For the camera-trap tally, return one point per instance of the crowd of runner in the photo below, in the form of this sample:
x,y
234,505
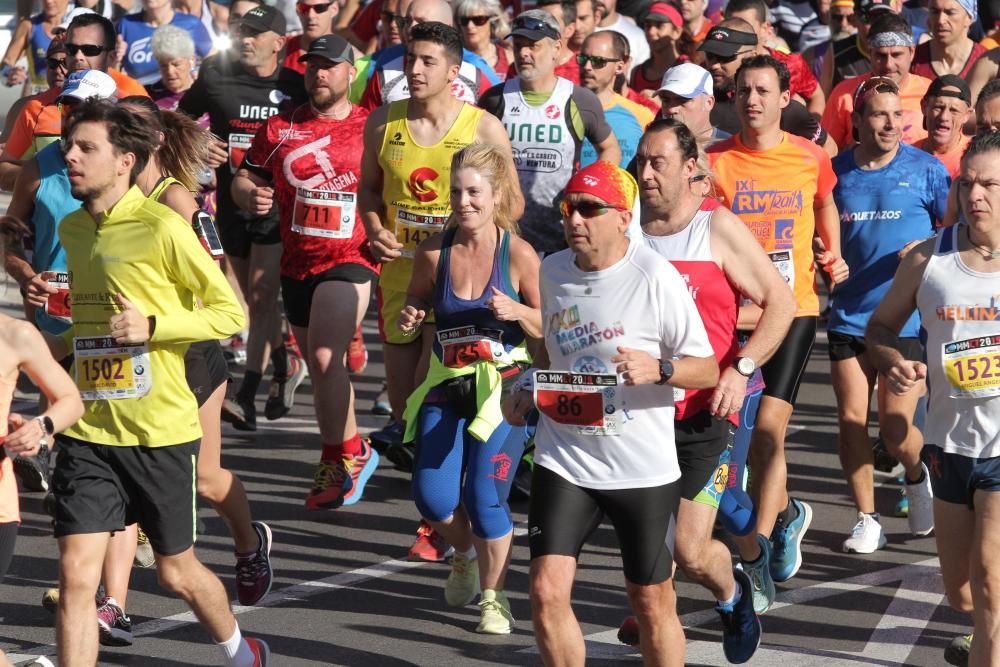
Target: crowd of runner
x,y
600,239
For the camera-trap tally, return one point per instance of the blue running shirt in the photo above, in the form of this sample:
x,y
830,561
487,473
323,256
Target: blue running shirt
x,y
139,62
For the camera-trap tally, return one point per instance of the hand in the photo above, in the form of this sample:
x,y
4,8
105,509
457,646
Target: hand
x,y
121,49
636,367
504,308
905,375
261,200
410,320
516,407
728,396
384,246
26,436
835,266
129,326
38,289
907,248
17,76
218,153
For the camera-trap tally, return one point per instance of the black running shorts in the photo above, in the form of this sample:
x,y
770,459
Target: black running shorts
x,y
100,488
562,516
783,372
845,346
205,368
700,441
297,294
238,234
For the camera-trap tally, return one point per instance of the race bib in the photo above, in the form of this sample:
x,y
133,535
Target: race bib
x,y
106,370
57,306
239,144
782,261
412,228
464,346
973,367
582,402
324,213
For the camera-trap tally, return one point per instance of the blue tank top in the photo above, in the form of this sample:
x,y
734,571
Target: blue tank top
x,y
53,202
459,319
38,46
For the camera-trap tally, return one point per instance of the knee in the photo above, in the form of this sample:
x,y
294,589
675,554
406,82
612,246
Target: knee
x,y
959,599
173,576
432,504
209,485
690,556
987,587
548,594
490,517
651,601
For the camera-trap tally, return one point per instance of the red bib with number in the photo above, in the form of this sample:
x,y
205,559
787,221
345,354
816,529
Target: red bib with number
x,y
580,401
58,304
324,213
464,346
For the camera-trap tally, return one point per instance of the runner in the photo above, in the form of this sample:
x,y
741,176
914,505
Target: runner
x,y
604,443
564,12
988,107
317,18
32,38
947,107
547,118
405,175
481,281
136,31
950,49
625,26
889,195
238,96
309,160
781,188
950,281
662,24
687,96
140,426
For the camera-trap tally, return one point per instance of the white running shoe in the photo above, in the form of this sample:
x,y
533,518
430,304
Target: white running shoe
x,y
921,499
866,537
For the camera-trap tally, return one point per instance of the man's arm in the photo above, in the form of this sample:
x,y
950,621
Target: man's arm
x,y
384,245
816,102
491,131
828,227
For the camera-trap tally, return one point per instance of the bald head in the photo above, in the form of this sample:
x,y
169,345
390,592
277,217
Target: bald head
x,y
737,24
425,11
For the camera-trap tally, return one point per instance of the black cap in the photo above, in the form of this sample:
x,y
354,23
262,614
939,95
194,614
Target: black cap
x,y
331,47
950,85
726,42
867,7
264,18
535,24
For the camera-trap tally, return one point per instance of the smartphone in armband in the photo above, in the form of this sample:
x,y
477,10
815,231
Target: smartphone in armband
x,y
208,234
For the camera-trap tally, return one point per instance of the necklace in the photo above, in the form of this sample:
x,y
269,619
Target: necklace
x,y
987,252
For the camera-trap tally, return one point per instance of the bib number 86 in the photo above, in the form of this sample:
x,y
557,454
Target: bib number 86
x,y
567,406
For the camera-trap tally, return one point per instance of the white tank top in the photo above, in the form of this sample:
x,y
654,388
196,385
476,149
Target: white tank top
x,y
960,325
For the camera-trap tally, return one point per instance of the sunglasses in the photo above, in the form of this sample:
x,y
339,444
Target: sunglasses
x,y
89,50
879,84
596,62
586,209
840,18
398,19
725,60
474,20
303,8
533,24
56,63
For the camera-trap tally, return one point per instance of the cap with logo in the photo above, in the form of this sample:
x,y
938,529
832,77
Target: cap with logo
x,y
661,12
950,85
535,24
727,42
264,18
687,80
330,47
606,181
868,7
88,83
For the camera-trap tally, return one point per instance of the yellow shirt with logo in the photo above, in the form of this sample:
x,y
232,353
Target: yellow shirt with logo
x,y
141,250
417,184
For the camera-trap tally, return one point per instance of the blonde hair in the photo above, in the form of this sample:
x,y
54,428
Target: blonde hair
x,y
491,163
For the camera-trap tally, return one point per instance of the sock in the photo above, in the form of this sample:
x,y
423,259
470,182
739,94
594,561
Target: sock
x,y
788,514
755,561
335,452
237,651
919,480
279,362
248,390
469,553
331,453
733,601
874,515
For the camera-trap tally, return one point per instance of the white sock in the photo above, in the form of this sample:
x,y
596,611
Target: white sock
x,y
237,651
470,553
737,596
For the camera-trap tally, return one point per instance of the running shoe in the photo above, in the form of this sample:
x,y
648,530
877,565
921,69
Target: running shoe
x,y
786,559
144,556
33,471
50,600
462,585
40,661
261,651
740,625
494,614
921,504
381,406
242,415
281,394
759,572
114,626
957,652
235,350
628,633
884,461
389,434
402,455
341,483
866,537
357,354
429,545
253,572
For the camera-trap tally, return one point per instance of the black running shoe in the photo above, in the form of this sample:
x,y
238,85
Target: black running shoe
x,y
243,416
33,471
281,395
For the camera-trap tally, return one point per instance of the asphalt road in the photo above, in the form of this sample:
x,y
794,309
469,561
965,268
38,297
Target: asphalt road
x,y
343,595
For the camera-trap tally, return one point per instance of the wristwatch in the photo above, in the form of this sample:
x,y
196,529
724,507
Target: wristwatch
x,y
666,371
745,366
47,424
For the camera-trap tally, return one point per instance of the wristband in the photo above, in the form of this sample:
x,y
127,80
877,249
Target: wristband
x,y
526,382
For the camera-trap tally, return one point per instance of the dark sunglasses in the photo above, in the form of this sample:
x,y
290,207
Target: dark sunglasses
x,y
725,60
839,18
586,209
535,25
89,50
596,62
474,20
56,63
304,8
389,17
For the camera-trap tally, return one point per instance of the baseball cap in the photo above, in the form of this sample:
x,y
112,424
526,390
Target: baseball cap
x,y
687,80
56,46
867,7
661,12
331,47
726,42
264,18
606,181
950,85
77,11
535,24
87,83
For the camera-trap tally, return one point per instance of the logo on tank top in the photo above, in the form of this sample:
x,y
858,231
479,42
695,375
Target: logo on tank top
x,y
419,182
552,112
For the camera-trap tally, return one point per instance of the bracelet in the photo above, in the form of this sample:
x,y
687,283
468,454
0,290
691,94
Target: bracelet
x,y
526,382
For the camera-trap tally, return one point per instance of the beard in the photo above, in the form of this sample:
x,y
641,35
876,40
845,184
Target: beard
x,y
322,99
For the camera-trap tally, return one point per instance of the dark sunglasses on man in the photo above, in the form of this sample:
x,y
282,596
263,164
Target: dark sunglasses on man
x,y
89,50
304,7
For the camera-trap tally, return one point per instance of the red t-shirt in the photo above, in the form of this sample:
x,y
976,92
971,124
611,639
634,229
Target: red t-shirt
x,y
315,164
365,22
293,51
802,81
652,105
922,61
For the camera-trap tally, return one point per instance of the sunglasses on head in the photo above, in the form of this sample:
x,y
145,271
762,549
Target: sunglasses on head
x,y
303,8
474,20
597,62
586,209
56,63
725,60
530,23
89,50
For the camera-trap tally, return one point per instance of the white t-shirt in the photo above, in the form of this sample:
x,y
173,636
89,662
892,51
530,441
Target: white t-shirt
x,y
641,303
637,45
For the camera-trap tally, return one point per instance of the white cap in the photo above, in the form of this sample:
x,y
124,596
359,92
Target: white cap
x,y
77,11
89,83
687,80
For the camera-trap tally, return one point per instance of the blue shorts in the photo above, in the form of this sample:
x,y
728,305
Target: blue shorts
x,y
956,478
